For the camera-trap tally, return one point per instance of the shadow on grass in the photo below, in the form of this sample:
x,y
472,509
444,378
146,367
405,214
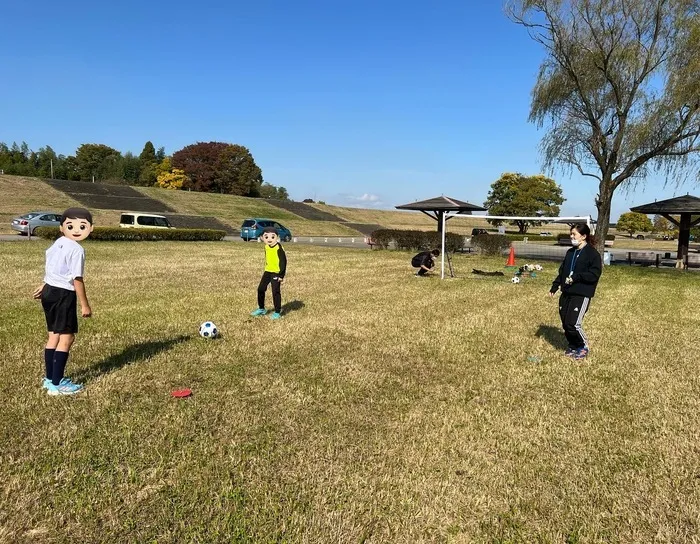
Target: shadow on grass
x,y
127,356
553,335
292,306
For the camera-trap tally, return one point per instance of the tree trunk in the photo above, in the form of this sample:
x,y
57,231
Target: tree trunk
x,y
603,204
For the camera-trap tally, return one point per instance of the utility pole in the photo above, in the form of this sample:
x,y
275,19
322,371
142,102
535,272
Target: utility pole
x,y
51,160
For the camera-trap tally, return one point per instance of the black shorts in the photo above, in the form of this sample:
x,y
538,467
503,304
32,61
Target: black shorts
x,y
61,309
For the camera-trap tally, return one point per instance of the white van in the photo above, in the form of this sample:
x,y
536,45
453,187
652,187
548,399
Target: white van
x,y
138,220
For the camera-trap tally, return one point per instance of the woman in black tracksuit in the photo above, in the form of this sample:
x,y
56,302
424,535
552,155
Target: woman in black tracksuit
x,y
578,278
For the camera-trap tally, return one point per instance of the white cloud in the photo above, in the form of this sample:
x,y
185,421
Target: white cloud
x,y
366,200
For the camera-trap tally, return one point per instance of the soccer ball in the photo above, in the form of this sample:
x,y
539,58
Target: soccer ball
x,y
516,279
208,330
538,267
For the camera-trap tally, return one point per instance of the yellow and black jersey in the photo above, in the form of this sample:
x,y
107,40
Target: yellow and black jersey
x,y
275,260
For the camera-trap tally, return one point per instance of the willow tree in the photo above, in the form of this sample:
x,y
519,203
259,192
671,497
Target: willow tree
x,y
618,90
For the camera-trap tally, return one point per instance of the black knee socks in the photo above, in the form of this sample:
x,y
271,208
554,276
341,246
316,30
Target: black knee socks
x,y
59,366
48,362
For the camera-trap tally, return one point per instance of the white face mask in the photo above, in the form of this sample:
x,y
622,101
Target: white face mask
x,y
575,242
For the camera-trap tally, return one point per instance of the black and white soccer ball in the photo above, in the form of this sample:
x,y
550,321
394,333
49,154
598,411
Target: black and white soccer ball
x,y
208,330
515,279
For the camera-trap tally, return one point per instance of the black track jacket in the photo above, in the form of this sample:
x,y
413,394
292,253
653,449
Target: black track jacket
x,y
586,272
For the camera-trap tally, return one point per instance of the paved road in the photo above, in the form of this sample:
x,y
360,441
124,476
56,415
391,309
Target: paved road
x,y
359,241
522,250
16,238
333,241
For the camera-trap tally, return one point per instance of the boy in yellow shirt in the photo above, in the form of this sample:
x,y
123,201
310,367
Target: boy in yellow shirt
x,y
275,269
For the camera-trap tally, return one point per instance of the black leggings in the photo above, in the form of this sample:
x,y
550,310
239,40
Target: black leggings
x,y
267,278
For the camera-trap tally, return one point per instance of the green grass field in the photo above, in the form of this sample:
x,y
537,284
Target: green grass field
x,y
405,411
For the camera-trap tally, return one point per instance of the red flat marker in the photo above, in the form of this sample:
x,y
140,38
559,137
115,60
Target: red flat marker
x,y
181,393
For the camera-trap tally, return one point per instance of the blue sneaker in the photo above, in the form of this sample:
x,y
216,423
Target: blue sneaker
x,y
64,381
275,315
63,389
581,354
259,311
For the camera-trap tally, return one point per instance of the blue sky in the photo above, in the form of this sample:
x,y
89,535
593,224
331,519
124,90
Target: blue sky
x,y
360,103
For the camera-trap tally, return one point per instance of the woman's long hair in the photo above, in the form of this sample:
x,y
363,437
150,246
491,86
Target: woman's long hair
x,y
582,228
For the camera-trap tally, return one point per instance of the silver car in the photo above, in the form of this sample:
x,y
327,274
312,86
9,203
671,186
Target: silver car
x,y
29,222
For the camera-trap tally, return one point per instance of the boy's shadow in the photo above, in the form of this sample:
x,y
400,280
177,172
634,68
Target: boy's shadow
x,y
128,355
553,335
292,306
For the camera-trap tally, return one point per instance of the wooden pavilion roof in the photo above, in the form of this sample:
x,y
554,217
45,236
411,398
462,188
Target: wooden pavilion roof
x,y
442,204
680,204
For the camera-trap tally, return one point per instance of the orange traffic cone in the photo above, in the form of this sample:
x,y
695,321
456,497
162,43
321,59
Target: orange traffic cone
x,y
511,257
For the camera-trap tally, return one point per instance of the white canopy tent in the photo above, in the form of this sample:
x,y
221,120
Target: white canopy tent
x,y
558,219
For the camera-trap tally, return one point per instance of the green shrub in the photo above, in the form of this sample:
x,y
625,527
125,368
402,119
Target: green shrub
x,y
139,235
416,240
382,238
491,244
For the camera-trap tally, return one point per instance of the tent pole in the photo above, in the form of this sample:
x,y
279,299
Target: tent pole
x,y
442,252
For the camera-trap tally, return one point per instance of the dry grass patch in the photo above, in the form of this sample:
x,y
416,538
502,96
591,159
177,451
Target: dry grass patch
x,y
21,195
639,245
382,408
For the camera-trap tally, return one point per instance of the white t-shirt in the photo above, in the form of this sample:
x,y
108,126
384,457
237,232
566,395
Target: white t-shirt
x,y
65,261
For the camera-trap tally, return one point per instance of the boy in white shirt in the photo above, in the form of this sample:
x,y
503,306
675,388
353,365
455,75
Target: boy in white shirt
x,y
63,286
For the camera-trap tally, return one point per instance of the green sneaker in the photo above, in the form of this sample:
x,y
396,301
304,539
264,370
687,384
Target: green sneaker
x,y
259,311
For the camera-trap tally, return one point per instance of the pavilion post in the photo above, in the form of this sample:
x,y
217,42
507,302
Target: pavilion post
x,y
683,241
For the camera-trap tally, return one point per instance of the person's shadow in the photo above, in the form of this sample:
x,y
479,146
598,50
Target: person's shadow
x,y
292,306
127,356
553,335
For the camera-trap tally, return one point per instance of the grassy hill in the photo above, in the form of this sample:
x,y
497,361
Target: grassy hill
x,y
233,210
21,194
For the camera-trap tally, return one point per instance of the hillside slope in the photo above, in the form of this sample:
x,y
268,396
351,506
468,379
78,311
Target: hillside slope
x,y
19,195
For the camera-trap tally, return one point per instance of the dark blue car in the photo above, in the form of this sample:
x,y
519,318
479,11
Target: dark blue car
x,y
252,229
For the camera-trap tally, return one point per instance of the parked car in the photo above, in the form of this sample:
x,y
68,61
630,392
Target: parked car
x,y
29,222
546,234
138,220
252,229
479,232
